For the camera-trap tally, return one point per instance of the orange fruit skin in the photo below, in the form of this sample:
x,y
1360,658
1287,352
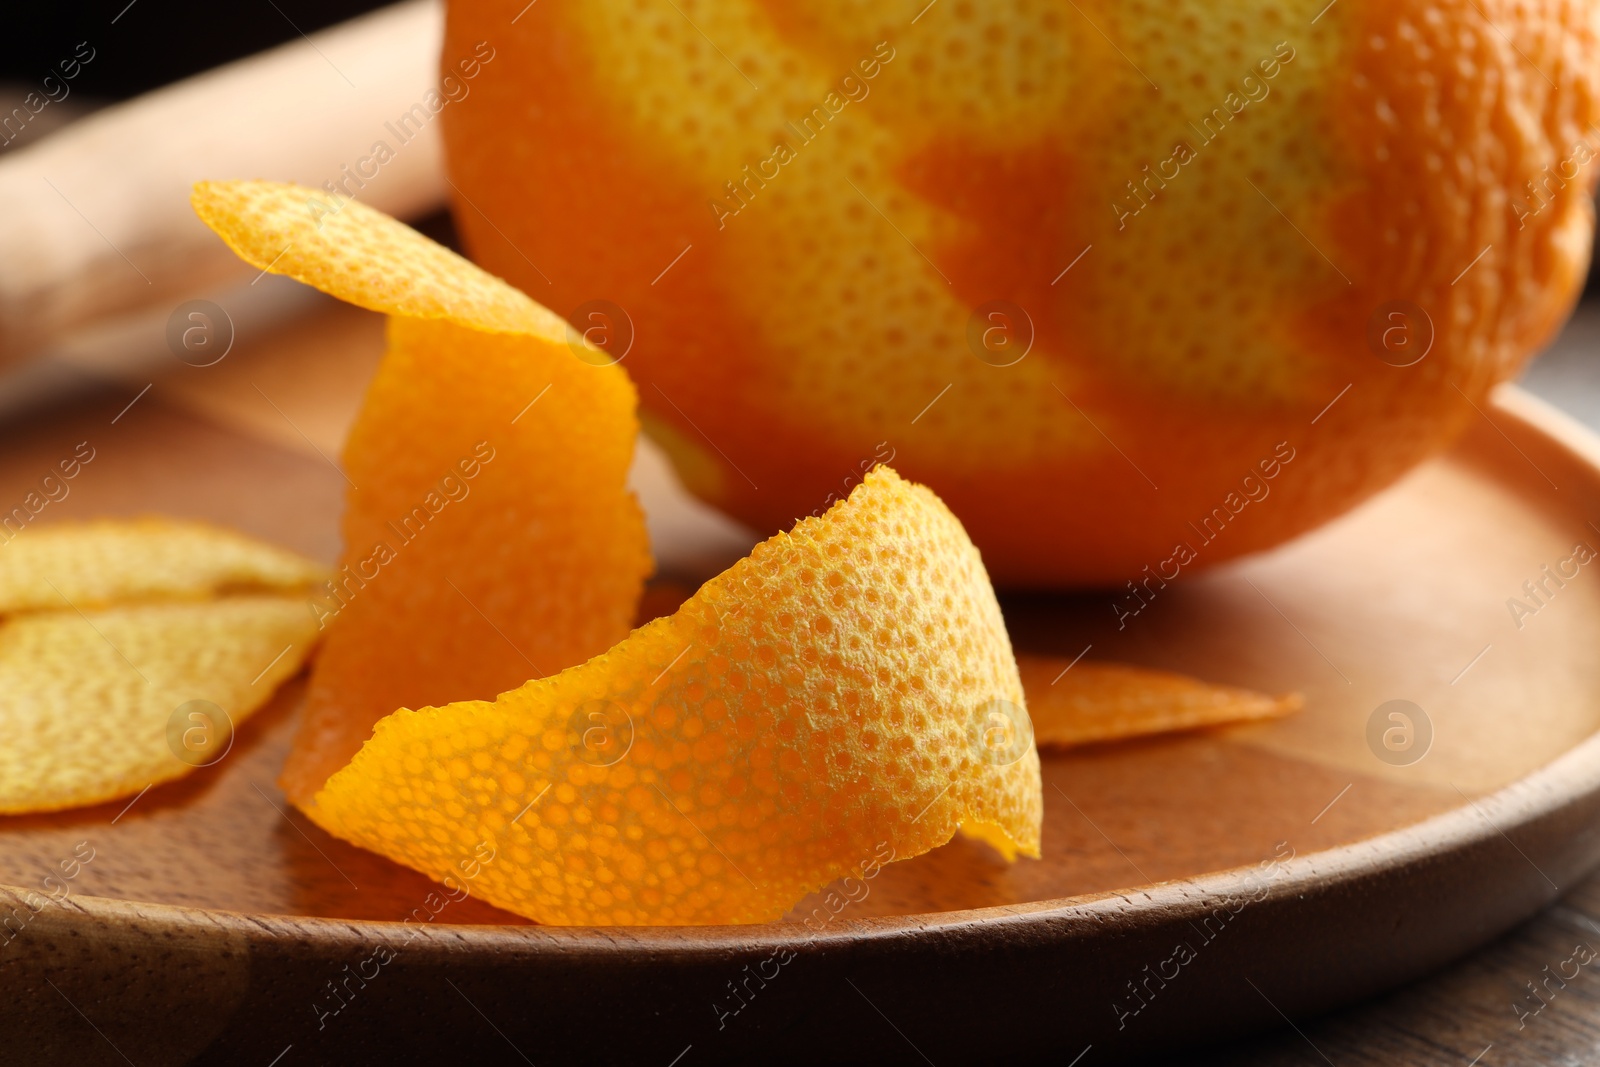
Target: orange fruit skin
x,y
1431,152
846,691
489,535
535,566
1072,703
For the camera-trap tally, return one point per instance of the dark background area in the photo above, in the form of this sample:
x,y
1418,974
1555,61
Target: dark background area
x,y
153,42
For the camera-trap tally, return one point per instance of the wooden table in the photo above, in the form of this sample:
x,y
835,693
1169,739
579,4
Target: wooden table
x,y
1480,1012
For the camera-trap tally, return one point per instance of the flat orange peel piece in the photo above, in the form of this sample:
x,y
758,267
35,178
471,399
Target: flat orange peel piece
x,y
103,704
1085,703
849,683
489,533
110,561
131,649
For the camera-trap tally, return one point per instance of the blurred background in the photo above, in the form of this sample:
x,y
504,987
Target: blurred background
x,y
150,43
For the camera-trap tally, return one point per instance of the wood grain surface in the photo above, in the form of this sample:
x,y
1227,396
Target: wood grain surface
x,y
1404,598
1528,999
1479,1010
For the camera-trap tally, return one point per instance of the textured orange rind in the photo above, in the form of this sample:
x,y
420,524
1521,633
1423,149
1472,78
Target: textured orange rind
x,y
849,683
130,650
1084,703
489,534
110,561
364,257
1202,215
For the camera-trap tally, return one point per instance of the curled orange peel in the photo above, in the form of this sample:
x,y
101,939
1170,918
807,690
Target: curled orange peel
x,y
489,534
364,257
849,683
1084,703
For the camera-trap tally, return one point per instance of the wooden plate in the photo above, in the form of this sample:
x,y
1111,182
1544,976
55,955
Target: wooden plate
x,y
1192,887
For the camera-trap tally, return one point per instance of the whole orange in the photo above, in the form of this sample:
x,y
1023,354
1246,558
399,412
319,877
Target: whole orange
x,y
1131,285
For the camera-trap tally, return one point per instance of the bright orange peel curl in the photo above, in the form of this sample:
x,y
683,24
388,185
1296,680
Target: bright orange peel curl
x,y
489,534
849,683
1083,703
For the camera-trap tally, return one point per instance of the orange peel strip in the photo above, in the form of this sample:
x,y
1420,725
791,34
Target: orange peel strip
x,y
113,629
98,705
835,690
1093,702
111,561
364,257
489,534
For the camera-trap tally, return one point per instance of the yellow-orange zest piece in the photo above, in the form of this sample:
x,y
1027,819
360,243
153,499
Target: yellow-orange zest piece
x,y
489,534
100,705
836,690
110,561
1108,701
129,649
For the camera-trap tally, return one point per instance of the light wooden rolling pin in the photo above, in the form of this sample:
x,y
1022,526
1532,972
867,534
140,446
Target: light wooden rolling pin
x,y
95,220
